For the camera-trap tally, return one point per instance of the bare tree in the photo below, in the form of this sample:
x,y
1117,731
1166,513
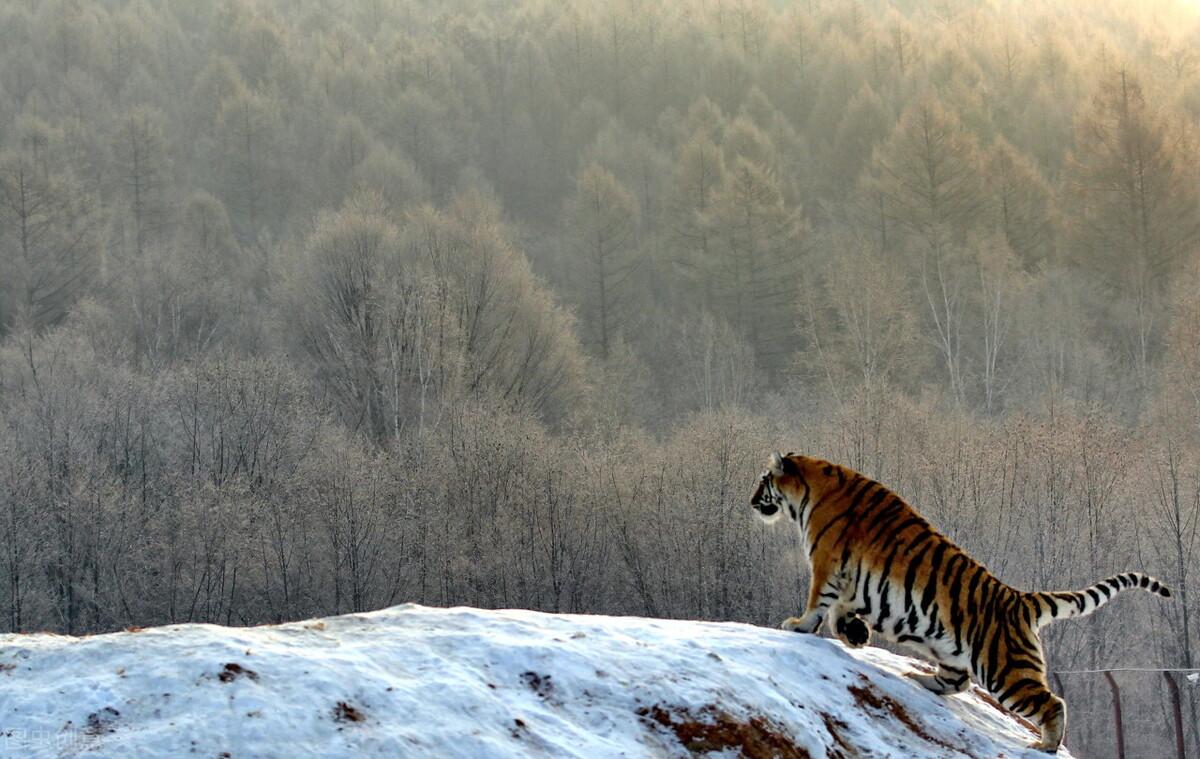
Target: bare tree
x,y
1002,288
860,324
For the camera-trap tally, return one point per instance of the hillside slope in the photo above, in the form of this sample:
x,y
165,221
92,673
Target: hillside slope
x,y
416,681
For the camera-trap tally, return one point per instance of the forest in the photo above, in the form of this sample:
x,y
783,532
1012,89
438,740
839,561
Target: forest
x,y
312,307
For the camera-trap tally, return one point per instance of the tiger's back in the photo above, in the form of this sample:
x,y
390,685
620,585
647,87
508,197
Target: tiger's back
x,y
878,565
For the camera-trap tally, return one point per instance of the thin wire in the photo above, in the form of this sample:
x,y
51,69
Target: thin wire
x,y
1118,669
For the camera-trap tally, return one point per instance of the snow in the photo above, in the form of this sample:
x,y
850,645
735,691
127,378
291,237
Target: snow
x,y
414,681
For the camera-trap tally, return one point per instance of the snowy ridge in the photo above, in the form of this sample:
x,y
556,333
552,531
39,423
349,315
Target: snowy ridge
x,y
413,681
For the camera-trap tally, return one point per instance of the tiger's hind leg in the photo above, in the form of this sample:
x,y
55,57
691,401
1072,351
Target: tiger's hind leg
x,y
1023,689
1052,719
1035,702
946,681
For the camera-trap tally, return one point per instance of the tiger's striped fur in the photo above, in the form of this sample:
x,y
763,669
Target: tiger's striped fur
x,y
878,565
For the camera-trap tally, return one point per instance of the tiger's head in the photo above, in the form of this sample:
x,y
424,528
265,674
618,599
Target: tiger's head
x,y
790,484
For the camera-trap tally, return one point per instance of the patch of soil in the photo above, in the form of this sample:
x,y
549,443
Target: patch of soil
x,y
539,684
345,712
518,727
836,728
102,721
869,698
233,671
714,730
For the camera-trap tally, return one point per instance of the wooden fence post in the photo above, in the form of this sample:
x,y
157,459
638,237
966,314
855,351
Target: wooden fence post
x,y
1178,709
1116,694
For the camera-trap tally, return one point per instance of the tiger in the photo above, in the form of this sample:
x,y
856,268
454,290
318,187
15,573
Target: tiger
x,y
878,565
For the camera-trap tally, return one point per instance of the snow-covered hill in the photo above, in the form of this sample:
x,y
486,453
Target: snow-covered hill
x,y
421,682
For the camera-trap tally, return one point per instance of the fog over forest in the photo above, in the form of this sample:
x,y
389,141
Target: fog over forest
x,y
311,307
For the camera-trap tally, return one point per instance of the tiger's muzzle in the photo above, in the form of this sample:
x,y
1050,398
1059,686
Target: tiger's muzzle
x,y
764,502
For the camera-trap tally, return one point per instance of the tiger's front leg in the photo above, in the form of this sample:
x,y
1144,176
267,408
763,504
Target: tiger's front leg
x,y
823,590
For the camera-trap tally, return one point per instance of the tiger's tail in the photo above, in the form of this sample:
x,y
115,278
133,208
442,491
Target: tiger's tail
x,y
1055,605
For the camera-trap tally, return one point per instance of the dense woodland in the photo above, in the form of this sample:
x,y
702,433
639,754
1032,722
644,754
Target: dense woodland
x,y
310,307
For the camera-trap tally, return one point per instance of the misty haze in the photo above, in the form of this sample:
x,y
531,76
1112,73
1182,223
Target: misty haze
x,y
312,308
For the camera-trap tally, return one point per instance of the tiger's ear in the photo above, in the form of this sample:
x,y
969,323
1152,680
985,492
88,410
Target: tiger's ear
x,y
781,465
776,464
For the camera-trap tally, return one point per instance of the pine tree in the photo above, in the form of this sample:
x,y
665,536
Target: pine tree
x,y
1134,192
927,176
758,260
864,124
699,176
929,172
604,217
248,129
140,159
1019,203
48,245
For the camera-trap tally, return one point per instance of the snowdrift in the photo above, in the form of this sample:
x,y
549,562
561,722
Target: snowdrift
x,y
413,681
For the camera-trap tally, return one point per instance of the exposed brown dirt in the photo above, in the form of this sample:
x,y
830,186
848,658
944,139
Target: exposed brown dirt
x,y
539,684
871,699
518,729
836,728
101,722
233,671
344,712
714,730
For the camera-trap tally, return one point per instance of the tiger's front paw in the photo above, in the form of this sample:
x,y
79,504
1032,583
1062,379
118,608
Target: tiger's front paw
x,y
805,624
853,631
